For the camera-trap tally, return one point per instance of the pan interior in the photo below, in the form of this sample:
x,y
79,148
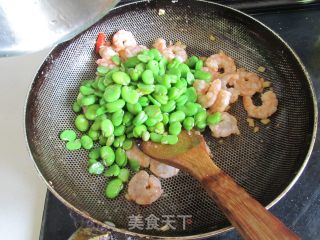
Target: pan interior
x,y
264,163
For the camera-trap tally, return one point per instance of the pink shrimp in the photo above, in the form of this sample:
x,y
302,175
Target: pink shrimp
x,y
123,39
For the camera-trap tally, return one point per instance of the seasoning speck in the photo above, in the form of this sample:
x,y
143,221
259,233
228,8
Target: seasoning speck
x,y
255,129
265,121
251,122
212,38
266,84
261,69
161,12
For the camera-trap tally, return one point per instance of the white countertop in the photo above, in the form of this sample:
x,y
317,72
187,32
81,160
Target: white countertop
x,y
22,191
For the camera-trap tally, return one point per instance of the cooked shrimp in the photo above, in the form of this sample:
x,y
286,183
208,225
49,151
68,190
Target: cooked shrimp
x,y
234,94
221,63
229,80
201,86
136,154
131,51
106,52
248,83
269,105
162,170
144,189
172,51
222,101
123,39
226,127
208,99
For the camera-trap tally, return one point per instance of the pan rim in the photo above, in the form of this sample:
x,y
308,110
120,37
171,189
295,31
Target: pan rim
x,y
201,235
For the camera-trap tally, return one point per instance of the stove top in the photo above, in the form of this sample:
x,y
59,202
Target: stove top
x,y
298,24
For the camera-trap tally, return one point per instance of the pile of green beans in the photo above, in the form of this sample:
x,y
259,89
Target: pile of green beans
x,y
144,97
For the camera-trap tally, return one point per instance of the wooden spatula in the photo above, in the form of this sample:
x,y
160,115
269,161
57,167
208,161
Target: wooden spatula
x,y
247,215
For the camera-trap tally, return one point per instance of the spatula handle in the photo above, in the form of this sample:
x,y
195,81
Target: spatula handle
x,y
251,219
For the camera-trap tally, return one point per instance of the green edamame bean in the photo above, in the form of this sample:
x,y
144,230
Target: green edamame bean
x,y
129,95
190,78
112,171
151,122
201,125
145,89
96,168
153,65
117,118
174,93
139,130
116,59
127,118
143,101
162,99
165,118
134,165
174,64
182,100
94,153
86,142
140,118
145,136
131,62
169,139
214,119
134,74
190,109
86,90
134,108
112,93
160,90
106,127
120,130
147,77
115,106
188,123
140,68
177,116
175,128
202,75
118,142
113,188
191,94
76,107
159,128
143,58
155,52
169,107
88,100
154,101
164,80
155,137
73,145
124,175
102,70
121,78
121,157
107,154
184,69
152,111
199,65
68,135
91,112
127,144
92,161
109,141
200,117
81,123
102,140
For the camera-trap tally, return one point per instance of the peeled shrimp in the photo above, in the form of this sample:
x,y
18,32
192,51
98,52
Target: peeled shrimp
x,y
221,64
172,51
226,127
162,170
269,105
248,83
136,154
229,80
131,51
106,53
144,189
208,98
222,101
123,39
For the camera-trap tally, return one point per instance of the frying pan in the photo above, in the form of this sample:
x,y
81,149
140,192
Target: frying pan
x,y
266,163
